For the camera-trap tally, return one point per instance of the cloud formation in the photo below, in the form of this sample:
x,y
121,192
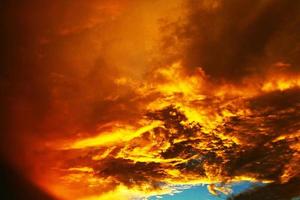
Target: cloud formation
x,y
128,99
231,40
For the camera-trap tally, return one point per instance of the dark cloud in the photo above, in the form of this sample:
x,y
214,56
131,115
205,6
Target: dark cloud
x,y
286,191
132,174
273,114
234,39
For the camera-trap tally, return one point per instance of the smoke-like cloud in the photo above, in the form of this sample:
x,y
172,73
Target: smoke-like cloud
x,y
230,40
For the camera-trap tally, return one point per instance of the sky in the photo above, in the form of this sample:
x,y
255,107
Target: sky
x,y
196,192
127,99
201,192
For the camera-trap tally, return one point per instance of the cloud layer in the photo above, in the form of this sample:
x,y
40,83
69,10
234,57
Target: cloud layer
x,y
128,99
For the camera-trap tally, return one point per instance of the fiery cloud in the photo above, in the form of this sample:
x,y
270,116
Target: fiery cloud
x,y
128,99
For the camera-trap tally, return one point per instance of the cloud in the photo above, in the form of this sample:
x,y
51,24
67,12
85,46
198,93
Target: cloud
x,y
259,144
231,40
272,191
119,98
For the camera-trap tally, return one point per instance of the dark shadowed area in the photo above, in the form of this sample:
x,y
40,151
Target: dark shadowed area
x,y
13,185
286,191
